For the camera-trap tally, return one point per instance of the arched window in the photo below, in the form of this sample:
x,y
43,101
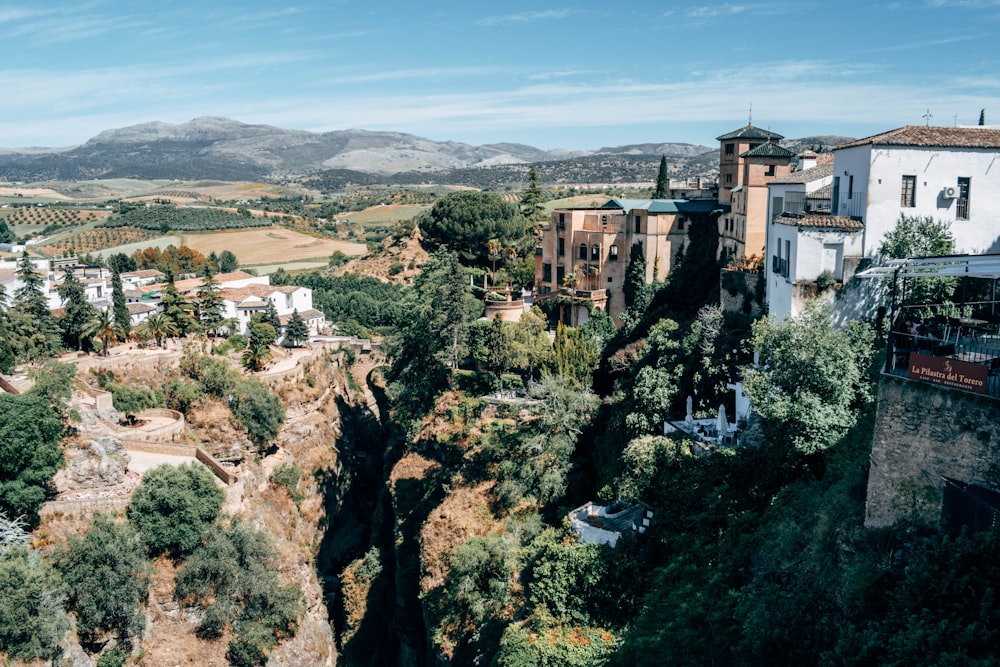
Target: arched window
x,y
595,253
583,251
613,253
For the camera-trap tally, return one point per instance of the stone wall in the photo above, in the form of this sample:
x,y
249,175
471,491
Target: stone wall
x,y
923,433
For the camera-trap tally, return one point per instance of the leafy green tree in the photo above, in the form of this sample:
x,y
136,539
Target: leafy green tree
x,y
130,401
228,262
662,180
8,355
261,336
120,263
6,236
533,199
921,236
233,577
121,318
499,355
574,356
173,507
918,236
296,331
30,430
433,335
529,343
259,410
78,313
108,576
811,378
464,222
536,466
180,394
32,619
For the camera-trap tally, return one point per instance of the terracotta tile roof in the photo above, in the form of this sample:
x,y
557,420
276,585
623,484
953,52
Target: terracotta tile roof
x,y
143,273
825,192
941,137
138,308
238,294
769,149
750,132
820,221
192,284
308,314
806,175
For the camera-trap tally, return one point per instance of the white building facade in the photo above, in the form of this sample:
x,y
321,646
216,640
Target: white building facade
x,y
948,173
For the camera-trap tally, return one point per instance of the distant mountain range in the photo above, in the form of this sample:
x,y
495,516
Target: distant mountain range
x,y
225,149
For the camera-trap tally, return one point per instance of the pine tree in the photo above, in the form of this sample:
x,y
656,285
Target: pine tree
x,y
78,313
175,307
270,316
533,199
209,302
121,318
296,330
33,321
662,180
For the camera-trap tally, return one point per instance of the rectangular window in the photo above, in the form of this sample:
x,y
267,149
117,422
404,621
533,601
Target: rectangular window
x,y
908,192
962,205
546,273
729,179
595,253
730,149
850,186
770,170
777,206
638,224
562,246
560,274
788,254
680,224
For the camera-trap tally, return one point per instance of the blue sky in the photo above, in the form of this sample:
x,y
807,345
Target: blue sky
x,y
563,75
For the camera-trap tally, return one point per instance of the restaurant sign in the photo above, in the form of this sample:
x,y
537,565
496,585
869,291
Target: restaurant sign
x,y
949,372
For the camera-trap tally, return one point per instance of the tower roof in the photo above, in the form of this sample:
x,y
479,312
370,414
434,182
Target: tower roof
x,y
750,132
768,149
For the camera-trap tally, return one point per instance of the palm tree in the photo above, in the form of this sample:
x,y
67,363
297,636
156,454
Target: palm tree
x,y
157,326
103,329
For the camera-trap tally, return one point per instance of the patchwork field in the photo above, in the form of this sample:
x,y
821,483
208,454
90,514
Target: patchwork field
x,y
268,245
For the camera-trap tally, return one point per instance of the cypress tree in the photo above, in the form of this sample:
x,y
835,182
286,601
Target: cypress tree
x,y
662,180
982,116
120,315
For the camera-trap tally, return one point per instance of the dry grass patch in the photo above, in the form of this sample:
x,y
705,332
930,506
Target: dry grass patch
x,y
263,245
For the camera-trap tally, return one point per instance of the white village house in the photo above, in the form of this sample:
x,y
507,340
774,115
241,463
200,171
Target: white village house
x,y
949,173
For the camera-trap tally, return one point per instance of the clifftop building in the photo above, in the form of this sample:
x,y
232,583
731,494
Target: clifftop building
x,y
585,253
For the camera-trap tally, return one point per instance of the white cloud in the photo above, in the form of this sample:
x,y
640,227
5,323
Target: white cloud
x,y
526,17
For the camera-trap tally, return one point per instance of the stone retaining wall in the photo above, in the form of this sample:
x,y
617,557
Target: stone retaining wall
x,y
924,433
